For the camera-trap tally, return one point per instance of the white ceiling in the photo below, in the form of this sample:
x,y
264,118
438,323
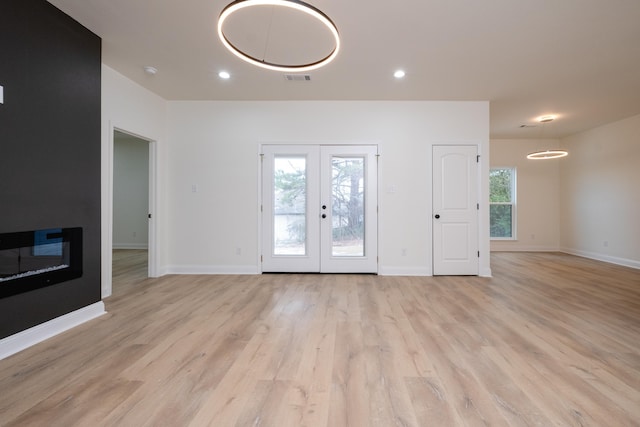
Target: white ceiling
x,y
579,59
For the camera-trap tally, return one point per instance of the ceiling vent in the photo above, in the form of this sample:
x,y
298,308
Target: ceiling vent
x,y
297,77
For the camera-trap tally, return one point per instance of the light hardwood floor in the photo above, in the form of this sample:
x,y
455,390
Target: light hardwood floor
x,y
550,340
130,268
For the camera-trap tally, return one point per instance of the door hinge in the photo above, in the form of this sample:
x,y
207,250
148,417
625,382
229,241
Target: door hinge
x,y
478,158
261,258
478,254
149,216
478,206
261,208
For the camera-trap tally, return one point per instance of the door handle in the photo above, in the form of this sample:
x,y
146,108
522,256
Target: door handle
x,y
324,215
437,216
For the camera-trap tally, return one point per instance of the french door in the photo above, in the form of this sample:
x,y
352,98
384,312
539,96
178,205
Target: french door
x,y
319,208
455,210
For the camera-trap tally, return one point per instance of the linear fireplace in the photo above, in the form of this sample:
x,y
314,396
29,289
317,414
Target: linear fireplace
x,y
34,259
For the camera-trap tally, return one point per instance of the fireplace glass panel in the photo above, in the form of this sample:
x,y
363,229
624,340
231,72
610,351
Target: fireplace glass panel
x,y
34,259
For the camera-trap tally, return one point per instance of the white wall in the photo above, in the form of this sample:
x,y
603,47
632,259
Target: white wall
x,y
214,146
600,193
129,107
538,194
130,192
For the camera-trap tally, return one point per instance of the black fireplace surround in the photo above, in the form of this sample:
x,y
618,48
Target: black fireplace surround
x,y
50,156
34,259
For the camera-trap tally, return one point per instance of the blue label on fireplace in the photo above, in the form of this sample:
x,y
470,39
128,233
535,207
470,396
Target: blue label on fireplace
x,y
47,242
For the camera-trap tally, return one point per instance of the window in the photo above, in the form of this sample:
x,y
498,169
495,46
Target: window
x,y
502,203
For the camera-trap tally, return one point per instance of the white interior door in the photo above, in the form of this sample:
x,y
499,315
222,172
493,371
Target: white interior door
x,y
455,210
319,208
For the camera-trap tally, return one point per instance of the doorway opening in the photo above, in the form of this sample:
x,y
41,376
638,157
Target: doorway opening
x,y
130,213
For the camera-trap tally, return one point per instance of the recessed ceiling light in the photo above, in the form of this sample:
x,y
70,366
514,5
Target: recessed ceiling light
x,y
150,70
399,74
224,75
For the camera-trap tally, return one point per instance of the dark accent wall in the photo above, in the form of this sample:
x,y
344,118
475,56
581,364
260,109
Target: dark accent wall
x,y
49,147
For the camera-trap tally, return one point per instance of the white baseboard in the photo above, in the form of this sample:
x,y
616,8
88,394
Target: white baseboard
x,y
211,269
524,248
403,271
602,257
130,246
486,272
245,269
22,340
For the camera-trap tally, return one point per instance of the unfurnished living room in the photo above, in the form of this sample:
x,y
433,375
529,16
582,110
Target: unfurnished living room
x,y
319,213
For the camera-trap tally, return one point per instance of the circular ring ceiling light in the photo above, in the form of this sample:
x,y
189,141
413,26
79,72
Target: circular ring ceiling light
x,y
292,4
548,154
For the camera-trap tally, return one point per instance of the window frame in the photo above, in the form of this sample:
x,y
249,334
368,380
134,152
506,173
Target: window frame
x,y
513,202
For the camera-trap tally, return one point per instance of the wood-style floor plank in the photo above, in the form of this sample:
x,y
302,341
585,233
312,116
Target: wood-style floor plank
x,y
550,340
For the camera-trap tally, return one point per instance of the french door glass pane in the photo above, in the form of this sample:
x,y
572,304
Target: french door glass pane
x,y
347,208
290,205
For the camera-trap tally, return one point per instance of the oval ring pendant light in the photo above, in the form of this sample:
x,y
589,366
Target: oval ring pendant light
x,y
293,4
547,154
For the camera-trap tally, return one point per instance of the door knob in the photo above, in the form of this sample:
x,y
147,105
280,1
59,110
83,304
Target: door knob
x,y
324,206
437,216
324,215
